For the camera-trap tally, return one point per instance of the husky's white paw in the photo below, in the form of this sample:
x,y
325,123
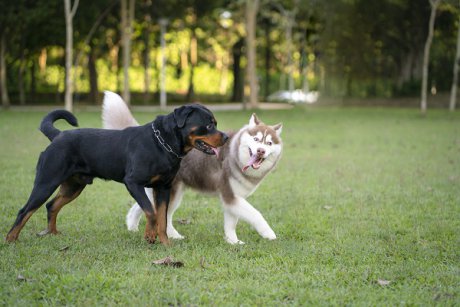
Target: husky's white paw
x,y
268,234
133,217
133,228
174,234
234,241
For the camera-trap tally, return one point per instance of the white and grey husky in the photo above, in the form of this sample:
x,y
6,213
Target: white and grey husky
x,y
241,165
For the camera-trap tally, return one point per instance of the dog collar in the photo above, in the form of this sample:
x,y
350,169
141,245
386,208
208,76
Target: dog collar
x,y
163,142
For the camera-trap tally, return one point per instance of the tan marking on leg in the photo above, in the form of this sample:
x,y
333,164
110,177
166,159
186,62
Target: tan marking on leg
x,y
161,224
14,233
62,199
155,179
60,202
150,234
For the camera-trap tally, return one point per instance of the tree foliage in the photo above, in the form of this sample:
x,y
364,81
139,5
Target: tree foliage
x,y
344,48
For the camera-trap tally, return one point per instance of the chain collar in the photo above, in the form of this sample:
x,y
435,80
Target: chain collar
x,y
163,143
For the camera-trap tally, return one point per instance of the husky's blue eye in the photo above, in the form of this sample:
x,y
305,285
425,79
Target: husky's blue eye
x,y
256,139
269,143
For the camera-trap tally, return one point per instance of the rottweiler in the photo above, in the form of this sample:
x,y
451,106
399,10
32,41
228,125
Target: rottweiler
x,y
138,157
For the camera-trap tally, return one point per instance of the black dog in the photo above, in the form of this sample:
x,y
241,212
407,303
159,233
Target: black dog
x,y
144,156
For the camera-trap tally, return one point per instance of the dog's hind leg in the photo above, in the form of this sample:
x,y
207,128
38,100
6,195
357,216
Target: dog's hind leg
x,y
52,170
69,190
40,193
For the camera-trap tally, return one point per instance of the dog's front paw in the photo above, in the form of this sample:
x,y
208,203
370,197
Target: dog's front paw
x,y
174,234
234,241
150,239
132,224
48,232
133,228
268,234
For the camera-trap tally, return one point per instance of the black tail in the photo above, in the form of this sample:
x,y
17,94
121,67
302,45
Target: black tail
x,y
47,123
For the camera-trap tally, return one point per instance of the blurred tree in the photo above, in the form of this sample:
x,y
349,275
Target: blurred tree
x,y
3,86
29,46
232,40
69,11
127,18
404,38
162,13
163,23
197,12
288,23
453,91
17,20
147,32
252,7
426,54
91,18
238,81
346,48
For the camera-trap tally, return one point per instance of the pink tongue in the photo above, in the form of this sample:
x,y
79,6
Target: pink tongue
x,y
216,151
251,161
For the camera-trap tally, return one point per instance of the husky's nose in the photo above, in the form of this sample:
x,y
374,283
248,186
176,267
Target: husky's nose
x,y
260,152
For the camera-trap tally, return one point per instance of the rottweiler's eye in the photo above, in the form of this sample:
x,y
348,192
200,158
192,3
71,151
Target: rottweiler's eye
x,y
210,126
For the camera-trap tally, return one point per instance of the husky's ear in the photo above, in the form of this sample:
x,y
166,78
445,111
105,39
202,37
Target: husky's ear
x,y
181,114
254,121
278,128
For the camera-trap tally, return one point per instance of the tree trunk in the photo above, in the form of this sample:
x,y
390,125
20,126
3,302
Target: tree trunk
x,y
252,6
162,79
453,91
267,59
405,71
69,14
42,58
426,55
147,76
190,97
3,86
21,85
127,16
290,67
93,29
119,72
33,81
93,76
193,62
223,74
304,63
237,91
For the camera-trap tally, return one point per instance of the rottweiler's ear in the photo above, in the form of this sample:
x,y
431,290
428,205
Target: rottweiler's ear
x,y
181,114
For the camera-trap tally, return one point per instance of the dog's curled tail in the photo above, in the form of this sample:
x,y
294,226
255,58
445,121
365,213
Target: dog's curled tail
x,y
115,113
47,127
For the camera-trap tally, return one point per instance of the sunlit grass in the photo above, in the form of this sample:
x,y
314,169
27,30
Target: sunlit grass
x,y
360,195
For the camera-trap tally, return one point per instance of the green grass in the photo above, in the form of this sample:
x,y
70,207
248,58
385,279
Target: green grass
x,y
360,195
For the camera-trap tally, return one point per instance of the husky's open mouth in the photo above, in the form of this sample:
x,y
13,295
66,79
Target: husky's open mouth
x,y
255,161
206,148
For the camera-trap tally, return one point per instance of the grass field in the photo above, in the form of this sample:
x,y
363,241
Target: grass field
x,y
365,203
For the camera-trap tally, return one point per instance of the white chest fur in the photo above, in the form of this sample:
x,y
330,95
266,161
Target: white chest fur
x,y
242,187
